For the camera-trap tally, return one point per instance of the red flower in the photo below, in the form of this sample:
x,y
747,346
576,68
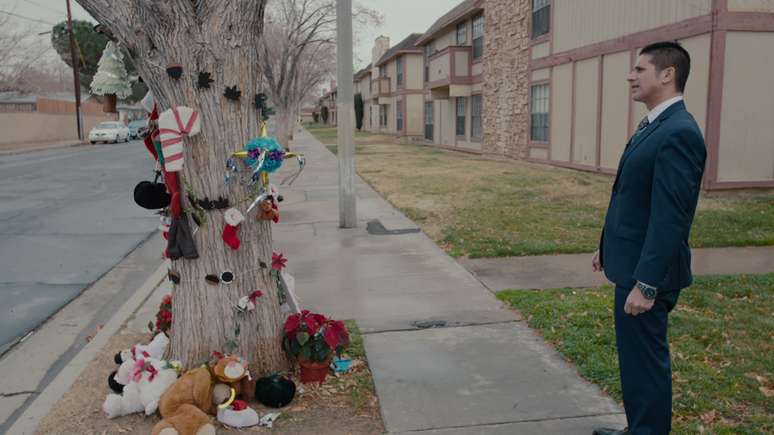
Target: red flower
x,y
278,261
167,300
166,315
217,355
238,405
336,334
255,295
291,325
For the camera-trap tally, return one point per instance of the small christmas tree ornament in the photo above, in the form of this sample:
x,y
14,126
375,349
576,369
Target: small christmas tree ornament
x,y
111,80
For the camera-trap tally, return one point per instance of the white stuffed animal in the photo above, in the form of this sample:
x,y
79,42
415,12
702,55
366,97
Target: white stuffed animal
x,y
154,349
148,380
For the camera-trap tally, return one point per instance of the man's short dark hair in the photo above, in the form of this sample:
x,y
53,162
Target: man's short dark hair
x,y
666,54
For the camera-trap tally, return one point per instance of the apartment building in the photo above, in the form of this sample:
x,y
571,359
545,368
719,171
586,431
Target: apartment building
x,y
453,52
396,88
362,86
555,85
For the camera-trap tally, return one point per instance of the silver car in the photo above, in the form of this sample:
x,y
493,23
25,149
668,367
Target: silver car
x,y
111,131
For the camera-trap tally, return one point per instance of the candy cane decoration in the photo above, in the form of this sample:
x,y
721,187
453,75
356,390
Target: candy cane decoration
x,y
175,123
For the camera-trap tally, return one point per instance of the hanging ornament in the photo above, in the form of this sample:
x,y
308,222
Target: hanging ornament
x,y
204,80
175,70
230,232
174,124
111,79
232,93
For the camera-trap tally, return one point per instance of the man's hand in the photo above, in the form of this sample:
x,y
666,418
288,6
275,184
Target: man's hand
x,y
636,303
596,265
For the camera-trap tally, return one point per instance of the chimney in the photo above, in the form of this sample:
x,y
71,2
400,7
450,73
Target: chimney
x,y
381,45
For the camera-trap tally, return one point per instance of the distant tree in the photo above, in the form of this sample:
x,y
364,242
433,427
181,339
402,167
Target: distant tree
x,y
359,111
22,57
90,45
324,114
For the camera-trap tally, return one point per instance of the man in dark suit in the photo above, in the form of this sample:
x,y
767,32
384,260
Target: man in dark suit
x,y
644,243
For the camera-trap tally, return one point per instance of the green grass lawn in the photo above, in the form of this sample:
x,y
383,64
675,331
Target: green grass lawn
x,y
476,206
722,342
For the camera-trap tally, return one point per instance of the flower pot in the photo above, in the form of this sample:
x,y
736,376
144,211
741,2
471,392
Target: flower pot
x,y
109,103
314,371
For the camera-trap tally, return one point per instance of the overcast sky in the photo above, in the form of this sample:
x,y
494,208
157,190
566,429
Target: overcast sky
x,y
401,18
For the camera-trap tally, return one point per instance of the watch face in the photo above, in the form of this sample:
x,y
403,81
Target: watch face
x,y
649,293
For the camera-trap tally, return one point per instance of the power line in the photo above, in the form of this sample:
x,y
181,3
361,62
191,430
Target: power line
x,y
25,18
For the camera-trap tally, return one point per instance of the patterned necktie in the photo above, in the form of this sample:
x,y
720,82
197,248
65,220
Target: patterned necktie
x,y
642,126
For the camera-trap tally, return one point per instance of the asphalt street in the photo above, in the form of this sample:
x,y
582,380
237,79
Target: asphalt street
x,y
67,218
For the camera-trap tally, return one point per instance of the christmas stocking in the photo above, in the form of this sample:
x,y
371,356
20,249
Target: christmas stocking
x,y
233,218
175,123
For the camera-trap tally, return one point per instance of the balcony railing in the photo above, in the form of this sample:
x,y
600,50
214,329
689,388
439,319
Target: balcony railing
x,y
383,84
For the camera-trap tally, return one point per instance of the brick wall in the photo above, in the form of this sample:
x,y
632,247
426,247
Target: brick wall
x,y
506,80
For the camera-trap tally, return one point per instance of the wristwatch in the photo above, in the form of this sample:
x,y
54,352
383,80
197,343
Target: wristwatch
x,y
649,292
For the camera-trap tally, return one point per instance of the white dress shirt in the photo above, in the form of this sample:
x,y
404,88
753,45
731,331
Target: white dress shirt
x,y
658,110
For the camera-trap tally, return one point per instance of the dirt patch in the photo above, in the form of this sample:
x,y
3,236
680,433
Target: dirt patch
x,y
329,409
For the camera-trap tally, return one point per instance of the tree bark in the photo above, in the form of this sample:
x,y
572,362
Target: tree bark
x,y
219,37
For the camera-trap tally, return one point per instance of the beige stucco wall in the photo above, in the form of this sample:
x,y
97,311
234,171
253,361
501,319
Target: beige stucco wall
x,y
751,5
586,94
414,71
446,39
747,117
538,153
541,74
477,68
414,115
561,116
38,127
439,67
461,63
575,24
615,107
460,90
541,50
698,81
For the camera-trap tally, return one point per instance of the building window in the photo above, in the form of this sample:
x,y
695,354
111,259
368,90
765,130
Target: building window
x,y
478,36
475,116
539,97
429,120
399,68
460,118
541,17
429,50
399,116
383,71
383,114
462,33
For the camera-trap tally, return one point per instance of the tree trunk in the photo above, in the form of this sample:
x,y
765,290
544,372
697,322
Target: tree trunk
x,y
285,121
219,37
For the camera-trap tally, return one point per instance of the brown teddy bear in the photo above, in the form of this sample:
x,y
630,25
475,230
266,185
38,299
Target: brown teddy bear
x,y
185,405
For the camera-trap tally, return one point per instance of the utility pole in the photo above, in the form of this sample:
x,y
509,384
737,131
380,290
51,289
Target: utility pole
x,y
344,112
76,74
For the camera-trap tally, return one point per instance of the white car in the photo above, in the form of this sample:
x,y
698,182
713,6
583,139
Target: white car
x,y
112,131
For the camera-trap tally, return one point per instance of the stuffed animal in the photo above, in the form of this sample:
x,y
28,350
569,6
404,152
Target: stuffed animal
x,y
232,371
185,405
148,380
269,211
126,359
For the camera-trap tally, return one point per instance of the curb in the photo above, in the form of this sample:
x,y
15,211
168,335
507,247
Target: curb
x,y
28,422
43,148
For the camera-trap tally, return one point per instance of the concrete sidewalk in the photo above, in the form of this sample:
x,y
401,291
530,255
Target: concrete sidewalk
x,y
482,370
574,270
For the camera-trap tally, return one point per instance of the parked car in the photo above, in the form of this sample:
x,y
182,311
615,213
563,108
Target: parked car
x,y
112,131
137,128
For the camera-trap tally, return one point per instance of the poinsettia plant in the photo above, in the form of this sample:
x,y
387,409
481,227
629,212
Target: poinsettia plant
x,y
313,337
163,317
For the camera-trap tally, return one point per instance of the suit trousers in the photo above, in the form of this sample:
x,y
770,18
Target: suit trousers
x,y
644,362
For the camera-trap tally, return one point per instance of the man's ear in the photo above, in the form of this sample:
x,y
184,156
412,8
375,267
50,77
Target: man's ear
x,y
668,75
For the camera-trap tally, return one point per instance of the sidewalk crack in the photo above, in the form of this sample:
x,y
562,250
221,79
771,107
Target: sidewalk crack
x,y
18,393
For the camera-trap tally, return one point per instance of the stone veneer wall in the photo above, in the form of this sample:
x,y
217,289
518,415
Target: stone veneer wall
x,y
506,77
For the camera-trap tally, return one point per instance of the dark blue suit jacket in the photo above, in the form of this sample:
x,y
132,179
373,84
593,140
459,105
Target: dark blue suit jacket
x,y
654,198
